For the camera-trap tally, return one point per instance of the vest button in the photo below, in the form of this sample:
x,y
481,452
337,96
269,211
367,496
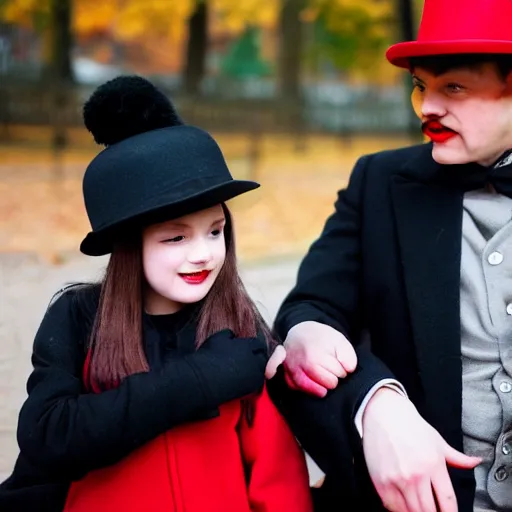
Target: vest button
x,y
501,474
495,258
505,387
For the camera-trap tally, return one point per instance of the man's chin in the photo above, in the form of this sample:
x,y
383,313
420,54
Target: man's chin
x,y
449,156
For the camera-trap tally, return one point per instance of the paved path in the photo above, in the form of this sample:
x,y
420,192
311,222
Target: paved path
x,y
26,286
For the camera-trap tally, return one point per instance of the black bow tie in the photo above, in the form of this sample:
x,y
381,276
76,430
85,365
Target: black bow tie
x,y
474,176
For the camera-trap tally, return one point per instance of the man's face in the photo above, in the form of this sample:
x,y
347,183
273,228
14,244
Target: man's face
x,y
466,112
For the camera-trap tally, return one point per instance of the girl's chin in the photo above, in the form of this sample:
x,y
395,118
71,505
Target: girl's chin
x,y
196,294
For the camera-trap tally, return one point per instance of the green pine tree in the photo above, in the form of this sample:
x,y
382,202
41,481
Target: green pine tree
x,y
243,59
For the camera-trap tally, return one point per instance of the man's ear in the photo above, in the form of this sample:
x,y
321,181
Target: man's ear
x,y
508,81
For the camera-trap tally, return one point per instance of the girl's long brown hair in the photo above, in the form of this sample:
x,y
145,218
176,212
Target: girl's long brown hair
x,y
116,343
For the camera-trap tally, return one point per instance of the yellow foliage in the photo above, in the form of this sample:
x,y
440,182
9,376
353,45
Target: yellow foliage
x,y
337,9
22,11
90,15
234,15
126,19
130,19
137,18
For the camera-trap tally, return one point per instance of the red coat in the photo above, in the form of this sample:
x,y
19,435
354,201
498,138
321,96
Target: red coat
x,y
218,465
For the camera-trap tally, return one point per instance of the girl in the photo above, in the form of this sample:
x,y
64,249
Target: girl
x,y
147,392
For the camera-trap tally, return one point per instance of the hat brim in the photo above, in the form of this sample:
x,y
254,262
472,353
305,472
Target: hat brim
x,y
101,242
400,54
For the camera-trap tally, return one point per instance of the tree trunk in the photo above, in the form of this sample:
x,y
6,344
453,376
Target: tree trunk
x,y
195,63
61,41
60,75
291,35
407,33
406,16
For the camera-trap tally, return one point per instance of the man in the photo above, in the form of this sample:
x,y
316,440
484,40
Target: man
x,y
414,271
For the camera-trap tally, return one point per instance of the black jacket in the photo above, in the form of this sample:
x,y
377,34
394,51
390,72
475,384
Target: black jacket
x,y
386,273
65,432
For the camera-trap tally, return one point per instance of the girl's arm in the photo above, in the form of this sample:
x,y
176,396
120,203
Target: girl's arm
x,y
69,432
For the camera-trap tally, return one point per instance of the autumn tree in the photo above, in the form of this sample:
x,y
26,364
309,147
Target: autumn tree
x,y
197,47
235,15
61,40
122,20
406,10
243,59
53,19
347,34
282,16
291,33
350,34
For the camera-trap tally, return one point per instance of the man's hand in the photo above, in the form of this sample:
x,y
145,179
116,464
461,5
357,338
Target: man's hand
x,y
407,459
315,357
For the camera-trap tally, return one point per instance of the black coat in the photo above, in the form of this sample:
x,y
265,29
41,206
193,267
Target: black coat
x,y
386,270
65,432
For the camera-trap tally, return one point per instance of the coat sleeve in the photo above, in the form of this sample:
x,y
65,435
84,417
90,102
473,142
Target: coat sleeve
x,y
325,426
328,290
30,488
66,431
277,473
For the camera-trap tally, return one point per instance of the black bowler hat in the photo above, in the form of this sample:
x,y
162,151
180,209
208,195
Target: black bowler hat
x,y
154,168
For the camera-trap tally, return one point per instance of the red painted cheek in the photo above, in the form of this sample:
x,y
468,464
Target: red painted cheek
x,y
417,103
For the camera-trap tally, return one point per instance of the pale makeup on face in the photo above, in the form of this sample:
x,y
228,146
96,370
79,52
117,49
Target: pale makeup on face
x,y
181,259
476,103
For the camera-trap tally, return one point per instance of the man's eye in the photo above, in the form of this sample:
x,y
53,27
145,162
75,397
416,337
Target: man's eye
x,y
455,87
420,87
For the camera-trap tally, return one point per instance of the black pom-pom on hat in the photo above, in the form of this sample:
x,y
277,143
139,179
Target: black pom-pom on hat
x,y
127,106
155,167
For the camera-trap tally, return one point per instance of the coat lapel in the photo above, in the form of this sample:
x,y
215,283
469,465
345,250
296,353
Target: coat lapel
x,y
429,223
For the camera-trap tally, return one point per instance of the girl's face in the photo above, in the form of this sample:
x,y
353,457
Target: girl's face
x,y
181,259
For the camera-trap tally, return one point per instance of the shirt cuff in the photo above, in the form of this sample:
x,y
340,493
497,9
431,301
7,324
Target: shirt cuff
x,y
385,383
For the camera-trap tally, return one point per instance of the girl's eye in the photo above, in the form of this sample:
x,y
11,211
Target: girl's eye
x,y
216,232
175,239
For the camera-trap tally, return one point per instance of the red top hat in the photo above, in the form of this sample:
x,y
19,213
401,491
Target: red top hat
x,y
458,26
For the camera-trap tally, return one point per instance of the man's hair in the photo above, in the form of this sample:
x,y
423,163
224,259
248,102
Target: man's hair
x,y
440,64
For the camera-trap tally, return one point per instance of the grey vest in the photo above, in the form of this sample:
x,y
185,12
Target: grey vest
x,y
486,344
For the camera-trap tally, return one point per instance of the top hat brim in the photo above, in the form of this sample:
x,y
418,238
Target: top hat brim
x,y
401,53
101,242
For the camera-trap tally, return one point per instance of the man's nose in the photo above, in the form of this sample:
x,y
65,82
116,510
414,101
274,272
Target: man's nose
x,y
432,104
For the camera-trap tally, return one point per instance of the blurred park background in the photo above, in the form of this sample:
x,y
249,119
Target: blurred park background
x,y
293,90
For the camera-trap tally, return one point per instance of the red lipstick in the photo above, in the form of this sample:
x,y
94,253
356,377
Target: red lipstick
x,y
195,277
435,131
